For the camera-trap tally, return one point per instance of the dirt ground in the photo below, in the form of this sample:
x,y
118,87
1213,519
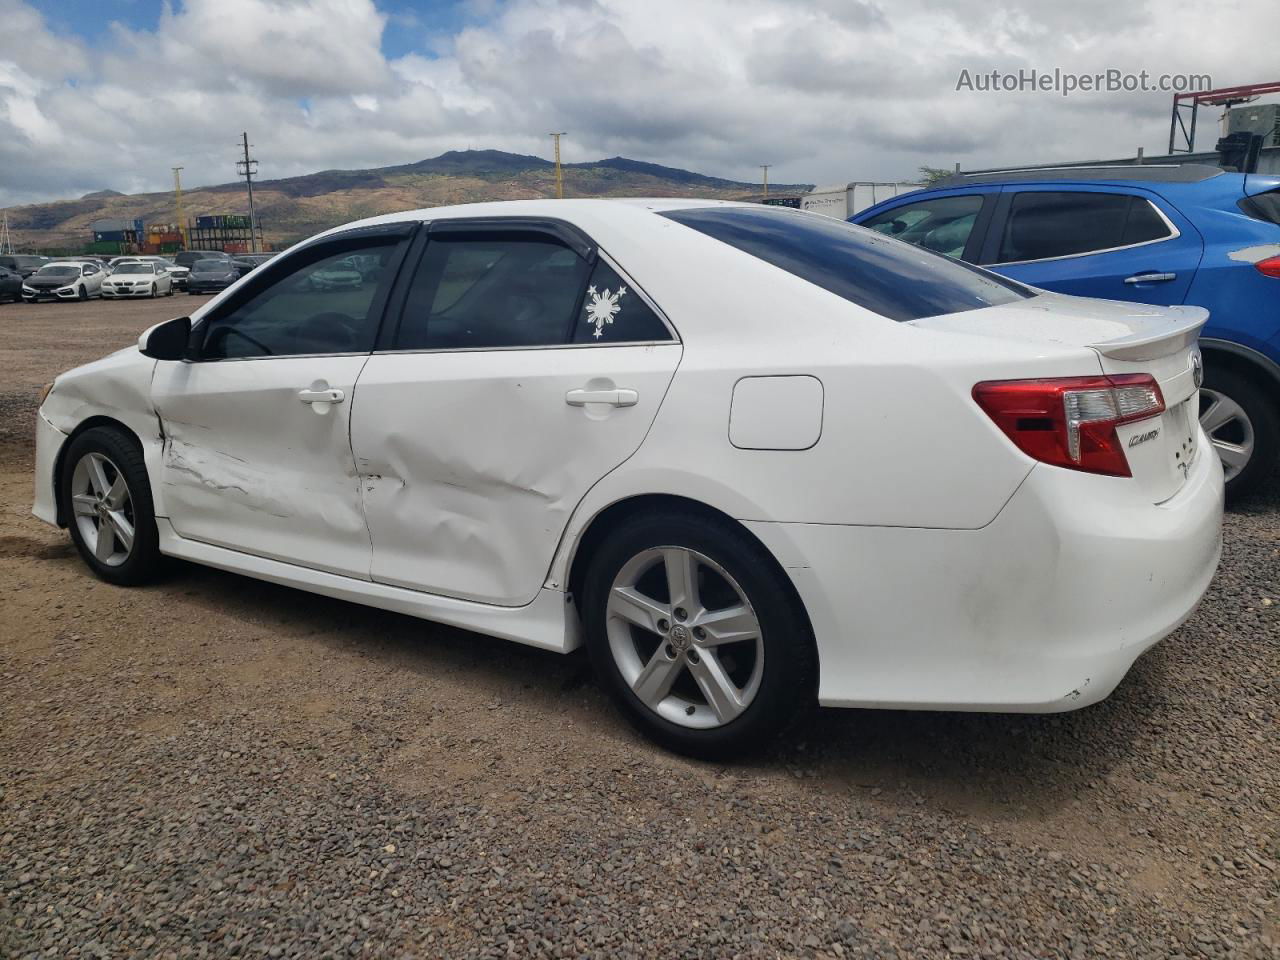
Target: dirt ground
x,y
214,766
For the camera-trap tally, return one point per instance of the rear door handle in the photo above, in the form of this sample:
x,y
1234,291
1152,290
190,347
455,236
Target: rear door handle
x,y
331,395
619,397
1150,277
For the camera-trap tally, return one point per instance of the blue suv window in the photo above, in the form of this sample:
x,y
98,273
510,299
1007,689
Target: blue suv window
x,y
1262,206
940,224
886,276
1067,223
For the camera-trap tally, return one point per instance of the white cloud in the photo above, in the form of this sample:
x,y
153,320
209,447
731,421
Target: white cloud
x,y
828,90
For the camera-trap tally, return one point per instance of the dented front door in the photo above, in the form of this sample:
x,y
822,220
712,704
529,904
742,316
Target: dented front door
x,y
473,461
257,458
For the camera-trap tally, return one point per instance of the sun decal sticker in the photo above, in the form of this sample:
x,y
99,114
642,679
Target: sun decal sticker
x,y
603,307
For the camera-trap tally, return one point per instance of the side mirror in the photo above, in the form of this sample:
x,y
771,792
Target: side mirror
x,y
166,341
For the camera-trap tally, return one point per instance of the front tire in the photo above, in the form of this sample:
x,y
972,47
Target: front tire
x,y
696,635
1243,426
84,293
154,291
106,498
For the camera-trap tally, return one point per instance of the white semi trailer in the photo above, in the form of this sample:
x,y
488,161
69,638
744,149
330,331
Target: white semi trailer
x,y
844,201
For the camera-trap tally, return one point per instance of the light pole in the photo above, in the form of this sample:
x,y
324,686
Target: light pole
x,y
250,167
559,179
177,202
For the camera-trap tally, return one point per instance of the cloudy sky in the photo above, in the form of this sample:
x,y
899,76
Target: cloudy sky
x,y
112,93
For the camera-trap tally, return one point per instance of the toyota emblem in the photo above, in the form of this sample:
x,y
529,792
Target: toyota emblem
x,y
1197,368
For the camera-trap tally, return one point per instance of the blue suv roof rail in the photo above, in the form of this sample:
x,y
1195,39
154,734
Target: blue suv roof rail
x,y
1152,172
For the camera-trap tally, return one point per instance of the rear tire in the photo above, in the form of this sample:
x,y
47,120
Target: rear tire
x,y
106,499
716,674
1243,424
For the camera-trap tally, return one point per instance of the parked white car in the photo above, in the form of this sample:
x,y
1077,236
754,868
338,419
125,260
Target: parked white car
x,y
138,278
749,456
64,280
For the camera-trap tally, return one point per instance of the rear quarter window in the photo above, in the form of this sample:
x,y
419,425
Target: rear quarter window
x,y
1262,206
884,275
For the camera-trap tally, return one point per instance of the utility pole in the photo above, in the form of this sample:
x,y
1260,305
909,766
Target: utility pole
x,y
6,239
559,179
177,202
247,168
765,167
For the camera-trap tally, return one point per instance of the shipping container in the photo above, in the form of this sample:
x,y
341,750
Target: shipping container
x,y
111,225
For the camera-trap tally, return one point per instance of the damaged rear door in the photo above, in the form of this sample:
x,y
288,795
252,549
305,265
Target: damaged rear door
x,y
523,367
257,452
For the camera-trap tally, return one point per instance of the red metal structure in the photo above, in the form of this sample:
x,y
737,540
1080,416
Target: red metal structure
x,y
1221,97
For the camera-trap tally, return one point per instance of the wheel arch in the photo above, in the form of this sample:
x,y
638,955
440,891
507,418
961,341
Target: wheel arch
x,y
59,462
1242,359
612,516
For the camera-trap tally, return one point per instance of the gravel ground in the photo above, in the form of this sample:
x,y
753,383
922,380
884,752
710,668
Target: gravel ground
x,y
214,766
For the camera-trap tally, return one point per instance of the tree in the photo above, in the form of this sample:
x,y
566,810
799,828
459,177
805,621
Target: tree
x,y
931,175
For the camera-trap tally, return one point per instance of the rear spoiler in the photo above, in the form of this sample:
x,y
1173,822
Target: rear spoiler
x,y
1182,331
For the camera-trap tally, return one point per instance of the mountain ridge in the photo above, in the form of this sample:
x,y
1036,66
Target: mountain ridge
x,y
291,208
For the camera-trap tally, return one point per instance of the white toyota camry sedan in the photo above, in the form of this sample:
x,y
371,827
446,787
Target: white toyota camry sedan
x,y
752,458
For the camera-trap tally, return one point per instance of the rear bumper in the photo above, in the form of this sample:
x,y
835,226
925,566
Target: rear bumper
x,y
1045,609
49,441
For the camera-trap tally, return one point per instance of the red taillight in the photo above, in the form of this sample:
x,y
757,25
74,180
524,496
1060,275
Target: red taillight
x,y
1269,267
1071,422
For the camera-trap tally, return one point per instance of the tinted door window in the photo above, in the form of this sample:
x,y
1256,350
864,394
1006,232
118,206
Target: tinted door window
x,y
895,280
942,224
325,304
1063,224
613,312
492,290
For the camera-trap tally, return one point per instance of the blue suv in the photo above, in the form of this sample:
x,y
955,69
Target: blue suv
x,y
1166,235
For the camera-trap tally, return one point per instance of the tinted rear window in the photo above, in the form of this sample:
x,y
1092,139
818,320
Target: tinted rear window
x,y
1263,206
886,276
1044,225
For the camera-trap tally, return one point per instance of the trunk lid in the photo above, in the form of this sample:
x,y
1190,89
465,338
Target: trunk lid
x,y
1127,338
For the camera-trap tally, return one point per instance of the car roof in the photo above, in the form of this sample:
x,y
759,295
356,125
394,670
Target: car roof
x,y
1223,186
549,208
1163,173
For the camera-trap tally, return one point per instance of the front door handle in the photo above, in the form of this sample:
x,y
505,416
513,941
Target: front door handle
x,y
1151,277
330,395
618,397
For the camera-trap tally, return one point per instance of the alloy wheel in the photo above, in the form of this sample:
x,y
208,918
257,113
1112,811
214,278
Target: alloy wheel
x,y
1229,430
103,509
685,637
